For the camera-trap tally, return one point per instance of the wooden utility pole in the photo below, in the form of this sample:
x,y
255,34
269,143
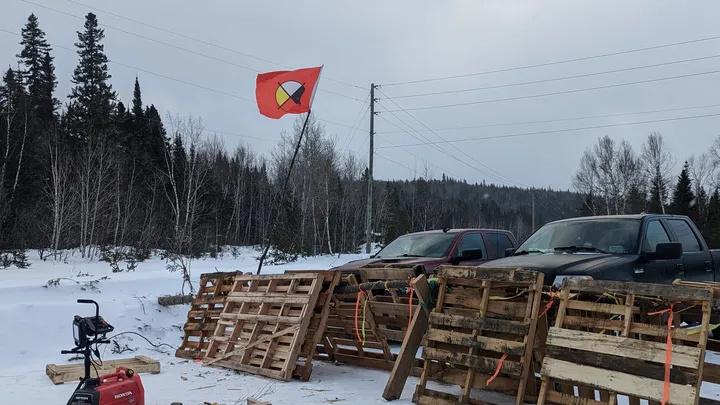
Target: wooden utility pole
x,y
368,214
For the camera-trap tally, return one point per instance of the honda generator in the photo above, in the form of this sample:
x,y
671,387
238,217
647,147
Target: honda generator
x,y
123,387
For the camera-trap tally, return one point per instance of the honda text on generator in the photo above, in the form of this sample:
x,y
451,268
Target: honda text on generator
x,y
120,388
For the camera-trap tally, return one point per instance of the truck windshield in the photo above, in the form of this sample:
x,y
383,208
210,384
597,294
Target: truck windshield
x,y
418,245
615,236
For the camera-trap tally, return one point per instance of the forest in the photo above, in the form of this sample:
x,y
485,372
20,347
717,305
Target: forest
x,y
114,178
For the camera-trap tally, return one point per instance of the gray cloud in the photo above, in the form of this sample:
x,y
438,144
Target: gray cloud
x,y
387,41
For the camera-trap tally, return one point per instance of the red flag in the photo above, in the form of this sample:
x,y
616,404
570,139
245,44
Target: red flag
x,y
286,92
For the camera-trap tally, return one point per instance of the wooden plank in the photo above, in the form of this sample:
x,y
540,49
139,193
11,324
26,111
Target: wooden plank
x,y
62,373
622,364
614,381
597,307
490,324
478,342
483,273
368,274
682,356
413,338
667,292
566,399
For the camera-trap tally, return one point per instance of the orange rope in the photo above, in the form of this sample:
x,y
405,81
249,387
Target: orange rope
x,y
500,362
668,353
411,291
357,316
547,307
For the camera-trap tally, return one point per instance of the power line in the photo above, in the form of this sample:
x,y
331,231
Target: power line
x,y
411,152
522,134
201,41
171,78
412,171
497,174
170,45
437,147
552,63
578,76
609,86
586,117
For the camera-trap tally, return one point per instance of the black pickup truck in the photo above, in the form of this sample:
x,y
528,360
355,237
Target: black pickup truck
x,y
644,248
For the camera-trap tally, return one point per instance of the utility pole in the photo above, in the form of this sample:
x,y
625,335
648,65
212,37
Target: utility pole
x,y
368,214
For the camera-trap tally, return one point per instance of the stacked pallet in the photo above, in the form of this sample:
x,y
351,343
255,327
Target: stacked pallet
x,y
352,335
390,305
264,323
481,334
204,312
623,338
318,323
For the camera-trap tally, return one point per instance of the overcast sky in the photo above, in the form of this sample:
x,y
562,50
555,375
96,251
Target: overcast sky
x,y
406,40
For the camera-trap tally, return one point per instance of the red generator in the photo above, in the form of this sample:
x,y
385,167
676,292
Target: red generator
x,y
123,387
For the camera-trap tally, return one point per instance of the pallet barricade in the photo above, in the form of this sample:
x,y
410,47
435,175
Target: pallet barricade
x,y
351,334
318,322
481,333
264,323
203,314
390,305
611,337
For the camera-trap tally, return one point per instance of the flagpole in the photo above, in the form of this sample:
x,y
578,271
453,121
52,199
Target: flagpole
x,y
282,193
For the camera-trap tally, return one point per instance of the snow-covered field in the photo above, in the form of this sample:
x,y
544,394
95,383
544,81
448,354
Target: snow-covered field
x,y
36,324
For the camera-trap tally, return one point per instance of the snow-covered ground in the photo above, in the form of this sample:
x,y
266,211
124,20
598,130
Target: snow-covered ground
x,y
36,324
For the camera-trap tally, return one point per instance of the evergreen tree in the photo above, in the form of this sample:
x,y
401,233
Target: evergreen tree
x,y
712,226
683,201
92,97
45,102
658,195
32,56
137,105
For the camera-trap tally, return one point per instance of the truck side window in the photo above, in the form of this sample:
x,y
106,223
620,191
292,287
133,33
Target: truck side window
x,y
685,235
470,241
655,234
496,244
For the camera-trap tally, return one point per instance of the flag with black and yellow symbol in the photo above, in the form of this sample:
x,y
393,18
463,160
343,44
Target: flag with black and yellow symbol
x,y
286,92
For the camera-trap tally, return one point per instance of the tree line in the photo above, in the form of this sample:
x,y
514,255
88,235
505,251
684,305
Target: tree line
x,y
96,174
615,179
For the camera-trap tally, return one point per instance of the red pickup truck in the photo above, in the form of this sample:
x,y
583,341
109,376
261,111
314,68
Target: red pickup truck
x,y
446,246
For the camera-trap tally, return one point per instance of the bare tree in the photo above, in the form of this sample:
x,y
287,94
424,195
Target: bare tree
x,y
186,177
94,179
657,163
57,191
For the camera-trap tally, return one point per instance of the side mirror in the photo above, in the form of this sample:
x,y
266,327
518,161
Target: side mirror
x,y
666,251
509,252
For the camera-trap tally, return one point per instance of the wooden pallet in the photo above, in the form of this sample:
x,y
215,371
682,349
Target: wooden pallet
x,y
390,307
318,323
62,373
605,339
204,313
481,315
341,342
264,323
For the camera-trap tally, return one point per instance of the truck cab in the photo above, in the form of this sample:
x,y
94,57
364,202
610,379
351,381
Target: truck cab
x,y
645,248
434,248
